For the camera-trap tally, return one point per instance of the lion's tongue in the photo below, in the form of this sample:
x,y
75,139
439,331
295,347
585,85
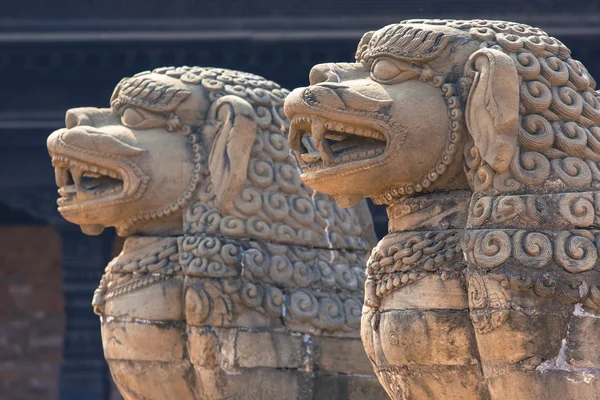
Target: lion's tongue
x,y
315,156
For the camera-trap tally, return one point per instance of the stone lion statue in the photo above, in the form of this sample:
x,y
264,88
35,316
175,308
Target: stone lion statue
x,y
236,281
483,140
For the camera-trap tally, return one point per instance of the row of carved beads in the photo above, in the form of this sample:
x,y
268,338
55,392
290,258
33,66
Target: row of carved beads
x,y
410,259
278,219
563,210
126,283
457,129
325,312
122,276
281,265
575,251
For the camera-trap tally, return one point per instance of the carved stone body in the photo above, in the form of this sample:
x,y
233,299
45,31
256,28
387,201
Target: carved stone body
x,y
483,139
236,281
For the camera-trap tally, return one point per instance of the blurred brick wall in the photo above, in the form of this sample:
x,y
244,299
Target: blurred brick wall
x,y
31,312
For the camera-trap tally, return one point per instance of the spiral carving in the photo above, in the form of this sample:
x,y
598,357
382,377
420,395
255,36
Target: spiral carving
x,y
554,70
303,305
571,138
263,118
530,167
481,211
208,247
276,205
574,172
577,209
574,252
287,178
535,96
344,277
535,45
284,232
260,173
331,313
566,102
281,269
249,201
305,254
190,243
276,145
258,227
508,207
230,254
527,65
197,306
251,294
232,226
536,133
255,262
302,210
578,75
510,42
593,134
327,275
546,285
492,249
484,178
273,301
591,107
303,274
353,311
532,249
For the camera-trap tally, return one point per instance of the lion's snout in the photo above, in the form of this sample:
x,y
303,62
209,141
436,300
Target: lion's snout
x,y
90,116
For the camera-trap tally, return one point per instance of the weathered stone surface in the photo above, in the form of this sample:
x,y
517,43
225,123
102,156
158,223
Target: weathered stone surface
x,y
236,280
146,341
268,349
483,140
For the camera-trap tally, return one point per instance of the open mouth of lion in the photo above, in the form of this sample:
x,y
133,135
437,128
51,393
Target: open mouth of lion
x,y
80,182
335,143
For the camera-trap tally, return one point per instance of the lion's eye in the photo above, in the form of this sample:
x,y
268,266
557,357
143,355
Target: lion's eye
x,y
385,70
131,117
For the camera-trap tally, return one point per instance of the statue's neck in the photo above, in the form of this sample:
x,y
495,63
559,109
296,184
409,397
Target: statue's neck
x,y
437,211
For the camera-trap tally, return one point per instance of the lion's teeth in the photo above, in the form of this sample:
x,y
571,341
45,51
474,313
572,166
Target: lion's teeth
x,y
295,139
91,174
76,173
61,176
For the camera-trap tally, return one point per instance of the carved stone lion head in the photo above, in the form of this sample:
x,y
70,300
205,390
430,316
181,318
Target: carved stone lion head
x,y
425,95
175,136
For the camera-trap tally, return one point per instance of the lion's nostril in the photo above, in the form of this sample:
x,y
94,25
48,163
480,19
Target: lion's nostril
x,y
320,73
74,118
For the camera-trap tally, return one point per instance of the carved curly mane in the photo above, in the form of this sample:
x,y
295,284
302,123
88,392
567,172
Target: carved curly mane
x,y
559,137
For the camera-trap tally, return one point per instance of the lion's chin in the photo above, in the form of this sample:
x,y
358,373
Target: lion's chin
x,y
92,229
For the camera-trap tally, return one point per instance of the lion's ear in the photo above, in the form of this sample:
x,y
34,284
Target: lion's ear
x,y
492,112
235,120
